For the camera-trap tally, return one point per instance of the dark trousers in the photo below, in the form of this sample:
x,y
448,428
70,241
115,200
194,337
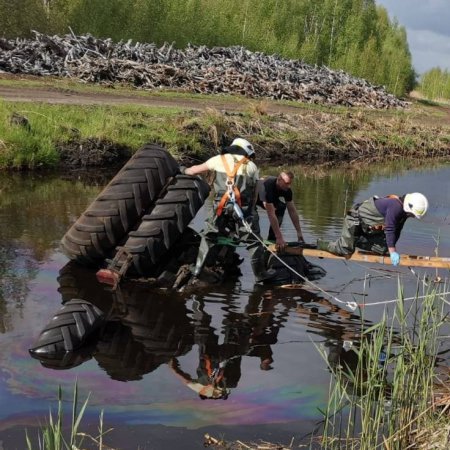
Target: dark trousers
x,y
352,236
228,227
357,231
280,209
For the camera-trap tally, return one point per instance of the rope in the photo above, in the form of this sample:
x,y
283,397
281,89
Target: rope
x,y
384,302
428,285
351,305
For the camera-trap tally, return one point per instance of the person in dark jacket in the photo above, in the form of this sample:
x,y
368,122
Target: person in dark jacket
x,y
375,225
275,196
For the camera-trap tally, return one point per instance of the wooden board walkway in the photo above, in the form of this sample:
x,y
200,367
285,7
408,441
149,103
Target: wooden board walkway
x,y
438,262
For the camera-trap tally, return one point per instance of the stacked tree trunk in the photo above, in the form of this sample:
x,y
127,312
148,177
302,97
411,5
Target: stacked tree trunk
x,y
218,70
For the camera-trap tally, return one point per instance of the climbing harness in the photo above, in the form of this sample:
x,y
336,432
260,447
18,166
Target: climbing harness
x,y
232,193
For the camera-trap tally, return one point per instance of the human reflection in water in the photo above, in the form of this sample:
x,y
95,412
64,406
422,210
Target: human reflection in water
x,y
267,312
211,382
142,328
341,328
137,329
244,334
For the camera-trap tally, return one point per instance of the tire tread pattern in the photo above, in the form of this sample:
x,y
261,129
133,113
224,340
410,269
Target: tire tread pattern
x,y
170,217
69,328
121,204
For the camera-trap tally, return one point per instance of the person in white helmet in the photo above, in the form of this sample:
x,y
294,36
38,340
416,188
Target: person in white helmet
x,y
375,225
235,178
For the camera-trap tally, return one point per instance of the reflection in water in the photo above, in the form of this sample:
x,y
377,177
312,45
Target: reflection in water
x,y
144,329
17,268
323,197
34,210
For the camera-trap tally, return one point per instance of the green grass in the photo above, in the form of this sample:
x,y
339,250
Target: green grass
x,y
33,147
307,133
52,436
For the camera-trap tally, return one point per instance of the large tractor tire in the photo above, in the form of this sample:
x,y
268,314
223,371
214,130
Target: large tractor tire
x,y
160,229
120,356
69,329
151,334
117,209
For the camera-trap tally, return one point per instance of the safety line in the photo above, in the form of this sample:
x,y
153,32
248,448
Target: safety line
x,y
351,305
364,305
428,285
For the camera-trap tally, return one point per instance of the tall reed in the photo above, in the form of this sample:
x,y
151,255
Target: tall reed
x,y
51,436
387,395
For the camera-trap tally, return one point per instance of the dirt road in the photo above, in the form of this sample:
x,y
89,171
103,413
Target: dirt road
x,y
70,97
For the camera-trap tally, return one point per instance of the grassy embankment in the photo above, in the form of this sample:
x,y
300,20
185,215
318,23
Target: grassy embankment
x,y
284,132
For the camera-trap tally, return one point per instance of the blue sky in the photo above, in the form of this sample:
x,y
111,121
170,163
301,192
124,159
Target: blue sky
x,y
427,23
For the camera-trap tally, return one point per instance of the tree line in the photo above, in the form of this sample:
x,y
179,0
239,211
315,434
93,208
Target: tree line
x,y
356,36
435,84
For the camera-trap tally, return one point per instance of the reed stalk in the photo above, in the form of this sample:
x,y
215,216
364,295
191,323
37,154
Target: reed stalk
x,y
388,396
51,436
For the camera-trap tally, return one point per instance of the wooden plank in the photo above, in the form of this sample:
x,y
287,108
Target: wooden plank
x,y
405,260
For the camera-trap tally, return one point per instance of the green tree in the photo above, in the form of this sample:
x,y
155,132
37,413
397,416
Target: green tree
x,y
28,15
352,35
435,84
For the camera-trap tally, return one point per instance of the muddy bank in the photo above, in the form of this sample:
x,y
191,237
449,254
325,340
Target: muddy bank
x,y
90,153
311,138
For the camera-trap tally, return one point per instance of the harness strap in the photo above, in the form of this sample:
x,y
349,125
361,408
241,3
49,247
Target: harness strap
x,y
231,188
208,365
215,378
394,196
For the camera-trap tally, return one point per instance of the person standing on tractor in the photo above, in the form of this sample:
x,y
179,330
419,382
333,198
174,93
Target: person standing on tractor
x,y
375,225
233,217
275,196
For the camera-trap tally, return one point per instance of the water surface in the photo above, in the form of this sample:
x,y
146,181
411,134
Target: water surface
x,y
144,368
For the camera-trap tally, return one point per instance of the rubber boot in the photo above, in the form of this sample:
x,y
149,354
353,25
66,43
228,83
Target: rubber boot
x,y
323,245
203,251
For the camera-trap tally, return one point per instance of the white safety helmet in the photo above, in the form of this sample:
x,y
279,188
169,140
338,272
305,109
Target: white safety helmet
x,y
415,203
245,145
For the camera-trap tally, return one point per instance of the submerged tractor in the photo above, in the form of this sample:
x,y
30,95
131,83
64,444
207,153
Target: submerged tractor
x,y
138,230
138,227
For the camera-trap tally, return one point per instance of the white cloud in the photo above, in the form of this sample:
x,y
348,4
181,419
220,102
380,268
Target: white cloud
x,y
429,50
428,30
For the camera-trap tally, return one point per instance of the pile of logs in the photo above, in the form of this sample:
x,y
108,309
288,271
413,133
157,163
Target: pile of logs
x,y
231,70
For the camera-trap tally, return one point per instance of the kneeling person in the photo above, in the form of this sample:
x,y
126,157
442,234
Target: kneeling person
x,y
375,225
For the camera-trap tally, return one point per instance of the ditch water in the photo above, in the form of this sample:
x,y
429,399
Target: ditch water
x,y
145,368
